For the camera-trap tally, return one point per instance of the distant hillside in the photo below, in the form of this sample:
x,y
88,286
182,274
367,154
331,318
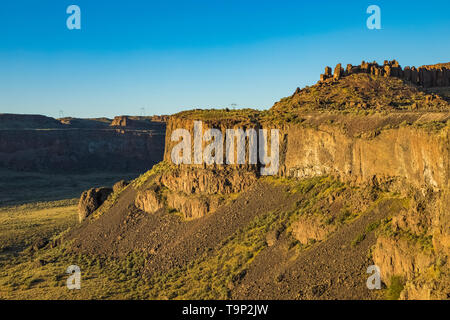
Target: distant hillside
x,y
27,121
74,145
86,123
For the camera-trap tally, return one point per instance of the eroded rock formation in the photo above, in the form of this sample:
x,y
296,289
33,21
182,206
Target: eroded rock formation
x,y
426,76
91,200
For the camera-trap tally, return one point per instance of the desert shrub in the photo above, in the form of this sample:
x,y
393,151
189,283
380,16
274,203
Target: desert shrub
x,y
395,288
374,225
358,239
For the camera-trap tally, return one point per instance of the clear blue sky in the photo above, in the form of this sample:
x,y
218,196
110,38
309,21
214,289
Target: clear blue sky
x,y
171,55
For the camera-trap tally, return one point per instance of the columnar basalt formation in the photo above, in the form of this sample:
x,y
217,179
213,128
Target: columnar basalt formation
x,y
402,156
425,76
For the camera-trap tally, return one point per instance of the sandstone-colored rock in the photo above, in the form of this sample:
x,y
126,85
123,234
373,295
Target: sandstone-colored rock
x,y
431,285
137,122
308,228
118,186
223,180
441,225
408,153
387,71
426,76
418,218
149,200
400,257
192,206
338,72
273,235
91,200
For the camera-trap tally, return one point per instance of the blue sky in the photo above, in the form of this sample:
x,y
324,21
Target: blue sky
x,y
171,55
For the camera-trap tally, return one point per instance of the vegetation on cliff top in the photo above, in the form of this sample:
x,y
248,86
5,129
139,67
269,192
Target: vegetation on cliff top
x,y
356,94
362,92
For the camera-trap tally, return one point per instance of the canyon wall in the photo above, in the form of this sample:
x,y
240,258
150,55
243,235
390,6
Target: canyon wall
x,y
383,150
408,153
37,143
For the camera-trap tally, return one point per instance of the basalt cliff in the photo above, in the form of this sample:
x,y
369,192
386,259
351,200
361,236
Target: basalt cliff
x,y
361,181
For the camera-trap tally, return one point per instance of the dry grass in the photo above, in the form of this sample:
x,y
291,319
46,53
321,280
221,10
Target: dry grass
x,y
21,225
31,187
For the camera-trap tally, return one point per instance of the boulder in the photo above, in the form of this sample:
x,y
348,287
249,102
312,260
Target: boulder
x,y
118,186
308,228
91,200
192,207
149,200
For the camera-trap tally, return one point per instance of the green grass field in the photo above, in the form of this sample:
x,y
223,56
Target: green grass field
x,y
21,226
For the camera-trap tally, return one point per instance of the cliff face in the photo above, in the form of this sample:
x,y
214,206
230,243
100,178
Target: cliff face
x,y
411,154
384,147
362,179
403,153
77,145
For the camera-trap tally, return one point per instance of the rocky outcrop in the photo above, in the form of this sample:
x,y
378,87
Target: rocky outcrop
x,y
413,246
406,154
192,206
91,200
138,123
222,180
400,257
433,285
149,200
120,185
193,191
309,228
425,76
409,153
338,72
356,148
